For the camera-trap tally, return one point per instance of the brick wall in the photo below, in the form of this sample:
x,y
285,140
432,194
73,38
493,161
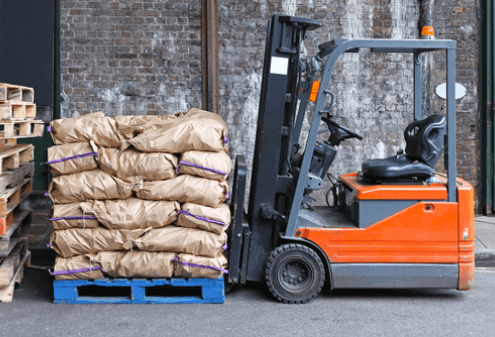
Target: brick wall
x,y
143,57
130,57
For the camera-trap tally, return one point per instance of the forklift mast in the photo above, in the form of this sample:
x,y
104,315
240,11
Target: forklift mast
x,y
270,181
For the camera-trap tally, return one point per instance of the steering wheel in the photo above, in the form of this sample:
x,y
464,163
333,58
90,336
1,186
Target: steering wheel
x,y
338,132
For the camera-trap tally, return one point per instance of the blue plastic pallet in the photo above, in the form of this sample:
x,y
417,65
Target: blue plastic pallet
x,y
212,290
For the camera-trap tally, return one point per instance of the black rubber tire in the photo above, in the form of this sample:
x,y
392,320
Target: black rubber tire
x,y
294,273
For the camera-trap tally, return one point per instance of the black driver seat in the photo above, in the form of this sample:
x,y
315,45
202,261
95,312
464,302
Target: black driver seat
x,y
424,140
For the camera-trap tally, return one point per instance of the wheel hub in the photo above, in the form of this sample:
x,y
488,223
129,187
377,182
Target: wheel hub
x,y
294,276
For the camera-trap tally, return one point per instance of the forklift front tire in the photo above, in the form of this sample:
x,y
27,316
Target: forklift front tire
x,y
294,273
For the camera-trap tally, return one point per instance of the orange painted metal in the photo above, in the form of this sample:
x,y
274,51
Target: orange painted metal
x,y
414,235
466,235
426,232
366,191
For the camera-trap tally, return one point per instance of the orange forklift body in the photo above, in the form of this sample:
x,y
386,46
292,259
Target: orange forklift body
x,y
431,231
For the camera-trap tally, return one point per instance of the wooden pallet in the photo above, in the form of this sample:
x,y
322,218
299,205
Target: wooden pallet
x,y
17,111
12,270
10,179
10,203
12,157
21,129
14,234
140,291
11,92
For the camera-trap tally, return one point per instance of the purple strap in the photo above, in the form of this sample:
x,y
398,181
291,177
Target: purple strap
x,y
225,246
226,139
89,154
199,166
75,271
202,218
48,128
73,218
227,196
48,245
47,194
194,265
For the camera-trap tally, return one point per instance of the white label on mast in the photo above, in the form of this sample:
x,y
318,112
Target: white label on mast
x,y
279,65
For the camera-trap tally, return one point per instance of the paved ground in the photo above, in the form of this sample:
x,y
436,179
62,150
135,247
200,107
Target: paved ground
x,y
251,311
485,241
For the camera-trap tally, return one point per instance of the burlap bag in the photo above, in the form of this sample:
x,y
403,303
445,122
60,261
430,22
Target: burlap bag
x,y
71,158
131,163
187,266
77,241
180,240
186,188
136,263
211,165
91,185
196,130
77,267
215,220
96,126
132,213
65,216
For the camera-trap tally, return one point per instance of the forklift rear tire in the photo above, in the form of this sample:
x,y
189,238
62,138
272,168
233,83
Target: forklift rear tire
x,y
294,273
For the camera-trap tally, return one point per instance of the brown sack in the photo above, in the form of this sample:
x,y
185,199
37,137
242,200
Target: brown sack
x,y
91,185
131,163
136,263
197,130
66,216
215,220
77,267
128,126
96,126
187,266
77,241
211,165
180,240
186,188
132,213
71,158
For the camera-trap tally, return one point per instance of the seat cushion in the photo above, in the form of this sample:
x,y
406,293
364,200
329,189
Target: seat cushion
x,y
396,167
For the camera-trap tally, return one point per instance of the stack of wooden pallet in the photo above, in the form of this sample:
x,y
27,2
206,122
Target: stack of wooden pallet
x,y
17,114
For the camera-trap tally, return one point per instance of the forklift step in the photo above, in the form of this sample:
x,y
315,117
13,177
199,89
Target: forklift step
x,y
133,291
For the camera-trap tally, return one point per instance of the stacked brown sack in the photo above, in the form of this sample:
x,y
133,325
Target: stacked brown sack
x,y
118,189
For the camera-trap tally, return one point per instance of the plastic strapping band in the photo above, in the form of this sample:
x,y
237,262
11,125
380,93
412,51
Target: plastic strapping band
x,y
47,194
84,155
199,166
48,245
227,196
226,139
48,129
202,218
189,264
225,246
74,271
73,218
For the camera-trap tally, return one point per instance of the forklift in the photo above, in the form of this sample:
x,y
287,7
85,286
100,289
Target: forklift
x,y
395,224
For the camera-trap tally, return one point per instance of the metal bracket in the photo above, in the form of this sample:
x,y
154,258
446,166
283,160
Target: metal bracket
x,y
313,182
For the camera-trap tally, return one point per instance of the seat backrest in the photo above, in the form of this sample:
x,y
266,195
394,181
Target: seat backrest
x,y
424,139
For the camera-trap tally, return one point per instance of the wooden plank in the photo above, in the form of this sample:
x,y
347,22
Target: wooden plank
x,y
10,179
10,111
21,129
7,293
13,196
12,92
18,227
11,263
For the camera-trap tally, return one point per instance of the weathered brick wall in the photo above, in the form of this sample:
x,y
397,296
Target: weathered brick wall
x,y
143,57
130,57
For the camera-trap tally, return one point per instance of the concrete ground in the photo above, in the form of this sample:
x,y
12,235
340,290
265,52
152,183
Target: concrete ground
x,y
485,241
252,311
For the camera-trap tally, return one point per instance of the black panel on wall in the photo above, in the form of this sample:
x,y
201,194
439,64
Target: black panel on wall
x,y
27,46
